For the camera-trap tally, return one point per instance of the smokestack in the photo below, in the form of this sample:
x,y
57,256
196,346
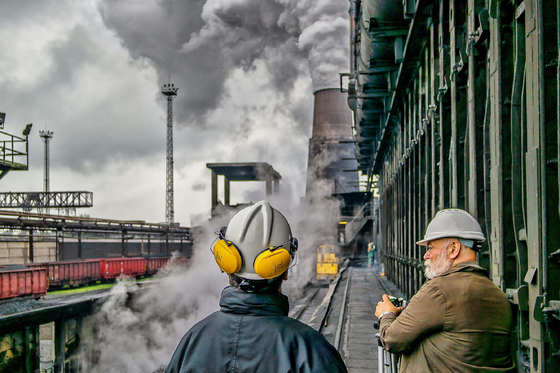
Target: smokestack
x,y
331,144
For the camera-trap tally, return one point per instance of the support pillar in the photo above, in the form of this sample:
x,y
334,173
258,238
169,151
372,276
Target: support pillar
x,y
214,190
60,254
268,187
536,182
123,244
59,346
31,250
226,191
80,245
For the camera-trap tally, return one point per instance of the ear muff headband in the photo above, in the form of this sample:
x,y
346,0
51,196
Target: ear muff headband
x,y
227,256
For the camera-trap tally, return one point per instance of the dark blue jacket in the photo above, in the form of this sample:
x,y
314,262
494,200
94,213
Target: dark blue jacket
x,y
252,333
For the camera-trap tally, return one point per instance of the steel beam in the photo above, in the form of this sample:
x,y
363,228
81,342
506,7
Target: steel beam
x,y
29,200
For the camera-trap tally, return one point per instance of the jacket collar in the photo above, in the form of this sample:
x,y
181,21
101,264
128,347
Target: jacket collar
x,y
467,267
239,302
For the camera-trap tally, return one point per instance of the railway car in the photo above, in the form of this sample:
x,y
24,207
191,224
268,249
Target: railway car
x,y
327,262
36,278
22,282
180,260
112,268
70,273
155,264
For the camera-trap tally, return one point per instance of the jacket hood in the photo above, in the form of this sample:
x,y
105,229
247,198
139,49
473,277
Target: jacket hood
x,y
239,302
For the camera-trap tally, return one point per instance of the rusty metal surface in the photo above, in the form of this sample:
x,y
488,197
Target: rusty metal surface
x,y
331,115
331,147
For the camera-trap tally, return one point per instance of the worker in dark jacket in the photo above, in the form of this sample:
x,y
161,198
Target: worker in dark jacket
x,y
459,321
252,332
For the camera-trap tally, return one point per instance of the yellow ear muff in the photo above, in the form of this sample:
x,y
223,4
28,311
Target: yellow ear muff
x,y
270,264
227,256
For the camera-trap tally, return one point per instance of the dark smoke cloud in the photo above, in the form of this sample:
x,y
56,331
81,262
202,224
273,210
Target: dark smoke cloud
x,y
199,43
91,73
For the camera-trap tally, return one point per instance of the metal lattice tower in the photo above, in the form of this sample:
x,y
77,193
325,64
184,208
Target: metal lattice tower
x,y
46,136
170,92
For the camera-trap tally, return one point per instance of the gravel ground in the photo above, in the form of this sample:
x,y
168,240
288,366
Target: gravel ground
x,y
18,305
11,306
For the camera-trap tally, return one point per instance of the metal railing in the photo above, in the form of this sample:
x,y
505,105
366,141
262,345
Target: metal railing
x,y
13,151
366,213
46,199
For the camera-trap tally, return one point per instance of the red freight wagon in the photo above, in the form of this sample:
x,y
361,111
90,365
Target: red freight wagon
x,y
72,273
113,268
154,264
20,282
180,260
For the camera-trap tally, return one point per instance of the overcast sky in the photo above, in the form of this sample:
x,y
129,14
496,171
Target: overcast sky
x,y
91,72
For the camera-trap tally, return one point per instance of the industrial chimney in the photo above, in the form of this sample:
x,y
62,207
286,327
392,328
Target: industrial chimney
x,y
331,147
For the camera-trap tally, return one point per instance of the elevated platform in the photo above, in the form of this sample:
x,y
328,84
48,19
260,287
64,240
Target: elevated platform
x,y
256,171
14,154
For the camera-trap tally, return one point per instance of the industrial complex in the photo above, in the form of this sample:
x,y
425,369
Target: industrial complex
x,y
444,105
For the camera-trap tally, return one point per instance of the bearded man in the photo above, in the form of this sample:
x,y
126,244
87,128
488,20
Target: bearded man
x,y
459,321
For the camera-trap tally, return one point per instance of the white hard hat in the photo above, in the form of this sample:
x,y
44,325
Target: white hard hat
x,y
262,236
453,223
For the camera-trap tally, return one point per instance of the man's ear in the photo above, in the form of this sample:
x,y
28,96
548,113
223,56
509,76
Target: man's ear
x,y
286,276
455,248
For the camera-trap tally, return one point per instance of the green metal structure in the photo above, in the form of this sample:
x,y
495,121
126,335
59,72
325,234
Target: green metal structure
x,y
456,104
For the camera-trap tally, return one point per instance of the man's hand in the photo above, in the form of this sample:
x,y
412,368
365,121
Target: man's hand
x,y
386,305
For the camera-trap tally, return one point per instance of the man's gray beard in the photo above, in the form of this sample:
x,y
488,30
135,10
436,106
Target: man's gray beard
x,y
436,268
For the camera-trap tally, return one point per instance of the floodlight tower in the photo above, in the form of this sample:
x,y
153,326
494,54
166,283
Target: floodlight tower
x,y
170,92
46,136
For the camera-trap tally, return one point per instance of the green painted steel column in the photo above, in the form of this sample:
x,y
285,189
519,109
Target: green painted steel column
x,y
432,118
472,194
535,178
496,180
443,53
454,67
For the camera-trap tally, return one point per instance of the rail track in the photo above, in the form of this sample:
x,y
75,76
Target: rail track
x,y
344,313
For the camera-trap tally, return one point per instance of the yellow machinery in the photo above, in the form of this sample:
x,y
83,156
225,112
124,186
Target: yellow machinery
x,y
327,262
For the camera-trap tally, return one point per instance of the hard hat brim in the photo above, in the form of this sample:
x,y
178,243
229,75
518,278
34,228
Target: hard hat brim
x,y
475,236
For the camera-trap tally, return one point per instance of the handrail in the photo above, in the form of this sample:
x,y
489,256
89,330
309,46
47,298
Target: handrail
x,y
9,153
366,212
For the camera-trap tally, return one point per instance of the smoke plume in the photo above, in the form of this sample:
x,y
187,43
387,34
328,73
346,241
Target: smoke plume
x,y
201,44
246,70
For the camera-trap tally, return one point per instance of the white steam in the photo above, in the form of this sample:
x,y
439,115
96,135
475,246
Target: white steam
x,y
139,333
241,66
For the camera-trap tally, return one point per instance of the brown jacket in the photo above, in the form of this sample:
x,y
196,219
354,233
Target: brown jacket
x,y
457,322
